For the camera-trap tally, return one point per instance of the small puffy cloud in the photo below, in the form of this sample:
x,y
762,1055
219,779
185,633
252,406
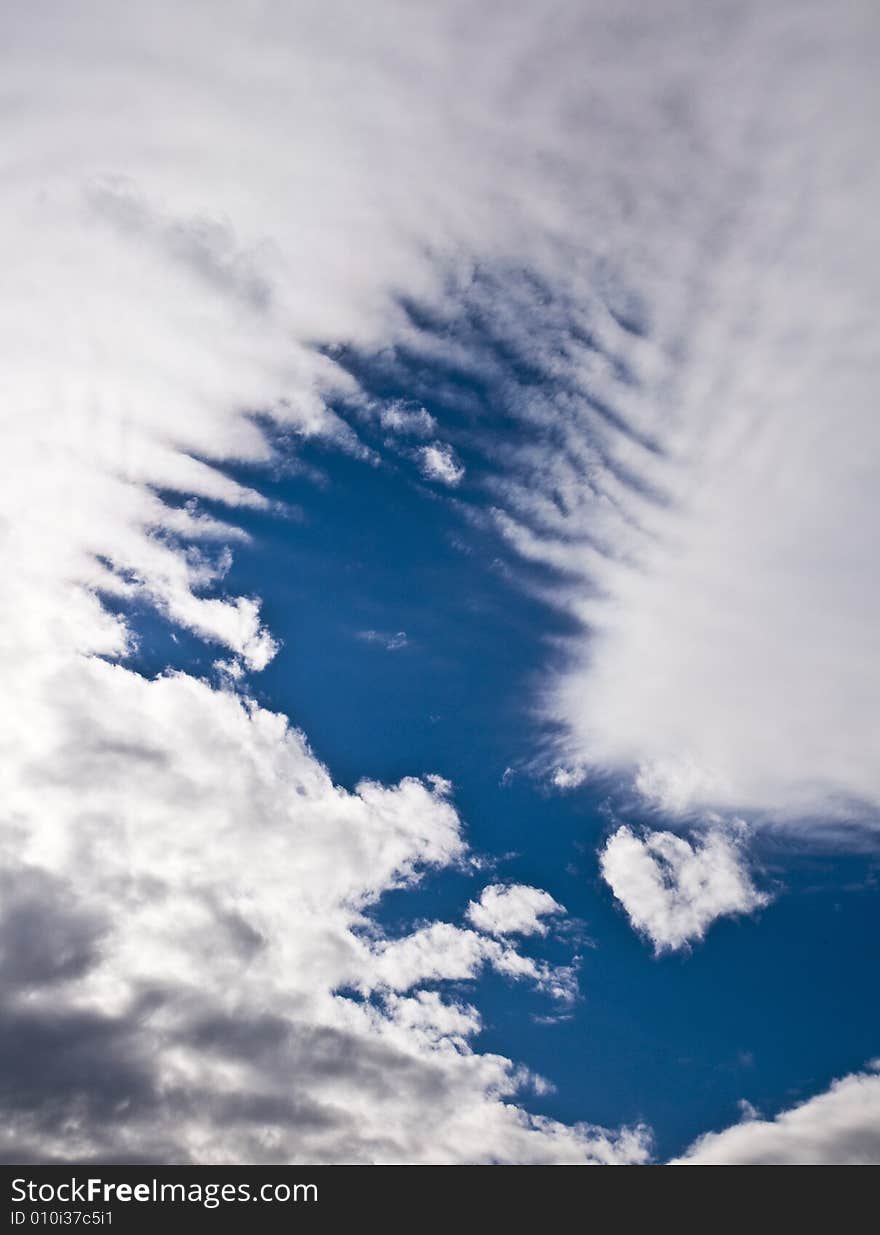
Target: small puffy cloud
x,y
442,952
439,462
673,889
516,909
840,1127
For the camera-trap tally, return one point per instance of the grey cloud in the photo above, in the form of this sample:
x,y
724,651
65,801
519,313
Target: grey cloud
x,y
45,936
68,1071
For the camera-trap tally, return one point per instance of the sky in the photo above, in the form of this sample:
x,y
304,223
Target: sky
x,y
439,624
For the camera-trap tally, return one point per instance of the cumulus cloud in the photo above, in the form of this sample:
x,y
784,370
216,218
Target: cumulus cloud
x,y
674,889
445,952
840,1127
512,909
406,420
185,904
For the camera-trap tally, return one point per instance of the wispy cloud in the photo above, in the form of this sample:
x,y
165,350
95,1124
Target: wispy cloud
x,y
705,492
408,420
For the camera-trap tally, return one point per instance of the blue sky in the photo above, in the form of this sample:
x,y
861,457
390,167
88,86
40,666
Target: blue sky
x,y
769,1009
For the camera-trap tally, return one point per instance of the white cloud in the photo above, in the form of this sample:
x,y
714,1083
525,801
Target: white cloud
x,y
673,889
442,952
840,1127
691,191
202,891
439,463
512,909
568,778
401,419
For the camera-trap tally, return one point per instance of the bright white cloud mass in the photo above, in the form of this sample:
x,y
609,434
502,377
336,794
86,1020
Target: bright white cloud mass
x,y
513,910
673,889
200,202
